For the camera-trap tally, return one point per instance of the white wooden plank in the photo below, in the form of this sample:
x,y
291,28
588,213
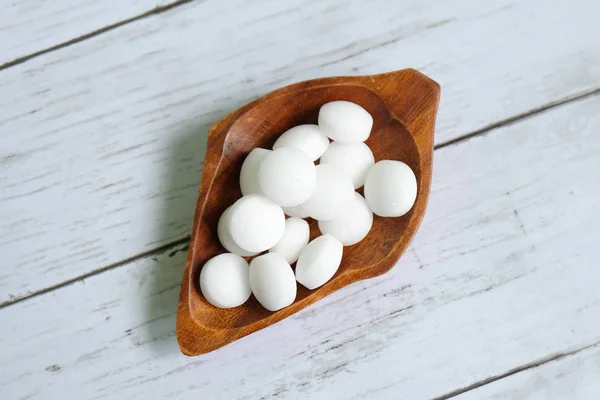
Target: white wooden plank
x,y
502,272
102,141
31,26
574,378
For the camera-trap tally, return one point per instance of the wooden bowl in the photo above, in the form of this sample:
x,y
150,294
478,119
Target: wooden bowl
x,y
403,105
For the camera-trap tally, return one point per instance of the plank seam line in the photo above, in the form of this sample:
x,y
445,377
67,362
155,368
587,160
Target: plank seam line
x,y
156,10
98,271
460,139
516,370
519,117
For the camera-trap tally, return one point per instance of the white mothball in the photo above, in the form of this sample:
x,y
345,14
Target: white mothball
x,y
333,192
249,172
256,223
272,281
306,138
353,225
294,239
390,188
354,159
287,176
224,281
345,122
224,234
319,261
296,211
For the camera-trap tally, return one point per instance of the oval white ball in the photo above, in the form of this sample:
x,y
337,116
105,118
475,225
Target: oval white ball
x,y
306,138
287,176
345,122
224,281
272,281
333,192
256,223
319,261
354,159
353,225
224,234
390,188
293,241
296,211
249,172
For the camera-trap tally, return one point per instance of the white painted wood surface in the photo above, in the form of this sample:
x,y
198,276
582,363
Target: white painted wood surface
x,y
100,156
502,273
571,377
101,141
32,26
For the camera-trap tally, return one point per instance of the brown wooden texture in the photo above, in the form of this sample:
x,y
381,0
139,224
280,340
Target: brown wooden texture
x,y
403,105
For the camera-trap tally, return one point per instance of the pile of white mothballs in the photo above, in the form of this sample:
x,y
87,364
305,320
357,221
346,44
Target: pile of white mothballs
x,y
285,180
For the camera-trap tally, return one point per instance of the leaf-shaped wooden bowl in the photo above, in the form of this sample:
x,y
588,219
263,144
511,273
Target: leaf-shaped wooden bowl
x,y
403,105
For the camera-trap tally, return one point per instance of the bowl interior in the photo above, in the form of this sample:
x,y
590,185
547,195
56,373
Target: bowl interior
x,y
260,127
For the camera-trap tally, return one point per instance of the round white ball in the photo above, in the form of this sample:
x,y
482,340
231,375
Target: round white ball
x,y
333,192
390,188
249,172
293,241
272,281
354,159
306,138
296,211
319,261
345,122
256,223
224,234
224,281
353,225
287,176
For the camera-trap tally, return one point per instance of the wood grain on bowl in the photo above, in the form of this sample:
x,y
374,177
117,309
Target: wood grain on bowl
x,y
403,105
